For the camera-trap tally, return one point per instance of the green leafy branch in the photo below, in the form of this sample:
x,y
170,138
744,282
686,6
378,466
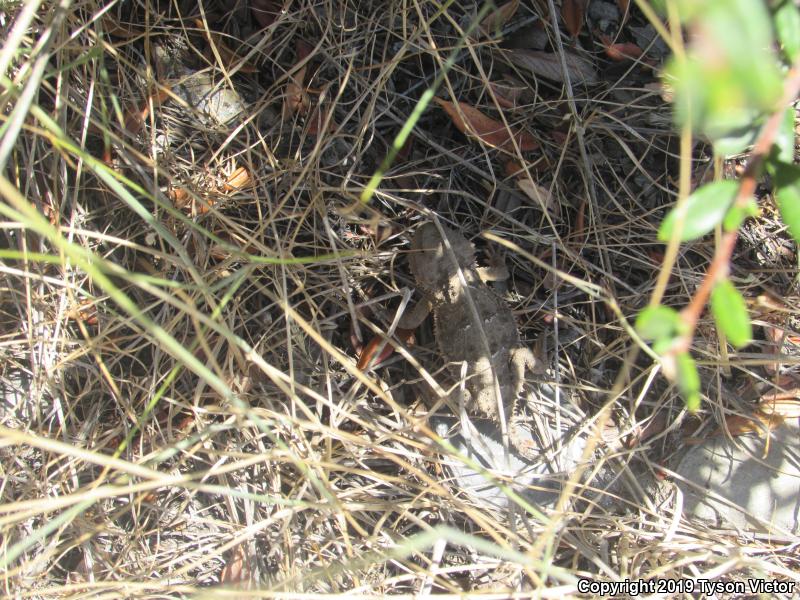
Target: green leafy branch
x,y
733,88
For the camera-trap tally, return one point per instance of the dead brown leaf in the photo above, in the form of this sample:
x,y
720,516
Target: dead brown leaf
x,y
179,196
297,100
758,422
511,92
540,195
86,311
266,12
236,572
784,404
655,426
777,339
620,51
135,117
532,37
303,49
573,11
623,8
404,335
239,178
233,570
470,121
548,65
316,121
495,21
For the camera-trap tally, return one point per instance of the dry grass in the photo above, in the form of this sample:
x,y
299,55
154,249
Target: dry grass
x,y
180,403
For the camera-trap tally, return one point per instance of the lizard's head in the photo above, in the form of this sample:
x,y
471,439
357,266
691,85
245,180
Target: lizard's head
x,y
431,264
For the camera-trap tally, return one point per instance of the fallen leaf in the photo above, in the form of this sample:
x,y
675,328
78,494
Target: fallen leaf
x,y
573,11
378,232
316,121
548,65
511,92
405,150
237,180
655,256
183,200
655,426
532,37
512,168
471,121
235,571
620,51
580,221
559,137
135,118
86,311
266,12
774,343
623,6
366,357
541,196
758,423
297,99
783,404
495,21
179,196
302,49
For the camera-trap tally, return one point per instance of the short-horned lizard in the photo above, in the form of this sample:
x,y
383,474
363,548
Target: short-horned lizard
x,y
471,324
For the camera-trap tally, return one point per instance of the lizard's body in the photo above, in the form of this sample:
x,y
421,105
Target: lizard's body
x,y
471,324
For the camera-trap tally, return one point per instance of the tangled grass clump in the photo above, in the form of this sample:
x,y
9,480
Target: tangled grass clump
x,y
188,272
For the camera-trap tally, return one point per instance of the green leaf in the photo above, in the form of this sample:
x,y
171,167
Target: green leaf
x,y
705,208
730,142
730,312
730,78
658,322
787,194
714,102
662,325
737,214
787,26
784,140
688,380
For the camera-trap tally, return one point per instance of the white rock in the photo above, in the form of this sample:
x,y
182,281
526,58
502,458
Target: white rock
x,y
762,494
